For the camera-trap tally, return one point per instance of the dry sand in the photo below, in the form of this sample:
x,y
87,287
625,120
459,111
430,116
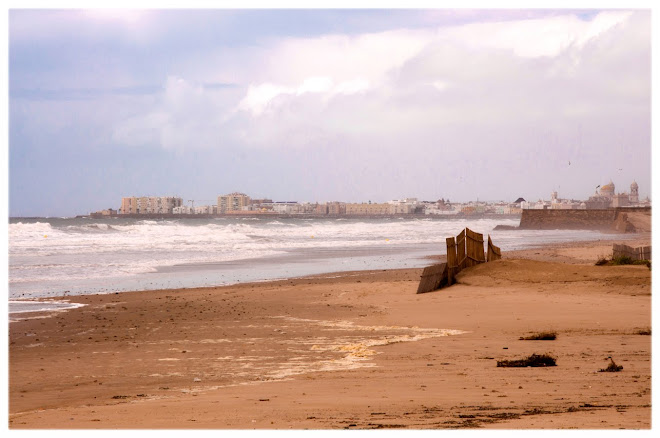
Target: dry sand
x,y
360,350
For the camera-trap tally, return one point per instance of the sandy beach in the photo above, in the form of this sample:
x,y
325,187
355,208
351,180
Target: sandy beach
x,y
356,350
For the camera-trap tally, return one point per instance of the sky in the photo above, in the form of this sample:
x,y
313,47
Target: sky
x,y
350,105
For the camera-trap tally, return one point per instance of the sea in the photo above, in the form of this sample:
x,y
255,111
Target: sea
x,y
55,257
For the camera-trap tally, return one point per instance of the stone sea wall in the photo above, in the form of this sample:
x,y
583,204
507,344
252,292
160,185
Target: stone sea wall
x,y
611,219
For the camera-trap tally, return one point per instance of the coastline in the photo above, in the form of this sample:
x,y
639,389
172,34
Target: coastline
x,y
576,252
276,215
348,350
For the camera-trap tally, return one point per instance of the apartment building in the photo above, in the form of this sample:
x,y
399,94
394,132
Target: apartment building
x,y
305,208
401,208
129,205
149,205
233,202
367,209
336,208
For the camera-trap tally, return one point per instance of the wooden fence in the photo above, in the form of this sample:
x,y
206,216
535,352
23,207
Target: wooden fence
x,y
494,252
639,253
433,278
463,251
474,248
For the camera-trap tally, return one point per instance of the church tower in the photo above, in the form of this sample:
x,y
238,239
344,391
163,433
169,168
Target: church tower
x,y
634,193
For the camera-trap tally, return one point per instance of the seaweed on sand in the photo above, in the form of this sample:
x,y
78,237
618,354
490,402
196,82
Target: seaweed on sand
x,y
535,360
541,336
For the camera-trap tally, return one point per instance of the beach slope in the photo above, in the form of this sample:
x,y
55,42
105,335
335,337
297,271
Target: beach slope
x,y
356,350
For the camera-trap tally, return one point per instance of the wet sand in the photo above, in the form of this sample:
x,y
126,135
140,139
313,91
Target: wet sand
x,y
354,350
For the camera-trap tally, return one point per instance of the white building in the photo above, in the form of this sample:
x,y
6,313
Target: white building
x,y
538,205
403,206
206,209
441,211
183,209
285,207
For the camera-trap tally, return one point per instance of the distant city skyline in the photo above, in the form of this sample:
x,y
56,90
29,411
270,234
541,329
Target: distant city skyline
x,y
598,189
325,104
605,197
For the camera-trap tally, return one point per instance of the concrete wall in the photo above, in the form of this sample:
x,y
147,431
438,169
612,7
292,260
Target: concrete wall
x,y
607,219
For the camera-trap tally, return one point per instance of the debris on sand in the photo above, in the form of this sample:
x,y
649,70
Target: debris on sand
x,y
612,367
541,336
535,360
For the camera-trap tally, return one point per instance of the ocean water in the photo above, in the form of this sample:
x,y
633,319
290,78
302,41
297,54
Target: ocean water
x,y
54,256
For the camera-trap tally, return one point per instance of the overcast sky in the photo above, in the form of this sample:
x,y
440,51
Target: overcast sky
x,y
323,105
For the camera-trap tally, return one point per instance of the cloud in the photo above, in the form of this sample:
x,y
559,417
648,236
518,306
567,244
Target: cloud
x,y
544,37
471,54
352,87
260,97
379,89
184,116
315,85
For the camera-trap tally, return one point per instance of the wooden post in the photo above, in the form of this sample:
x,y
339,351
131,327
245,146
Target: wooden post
x,y
489,250
646,253
452,264
469,248
494,252
460,251
475,248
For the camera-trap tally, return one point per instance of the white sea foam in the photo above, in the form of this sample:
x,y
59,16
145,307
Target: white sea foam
x,y
48,255
32,306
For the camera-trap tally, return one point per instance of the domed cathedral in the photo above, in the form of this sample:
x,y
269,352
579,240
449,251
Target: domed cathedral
x,y
608,198
607,190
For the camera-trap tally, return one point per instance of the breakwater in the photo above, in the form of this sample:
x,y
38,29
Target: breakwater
x,y
623,219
